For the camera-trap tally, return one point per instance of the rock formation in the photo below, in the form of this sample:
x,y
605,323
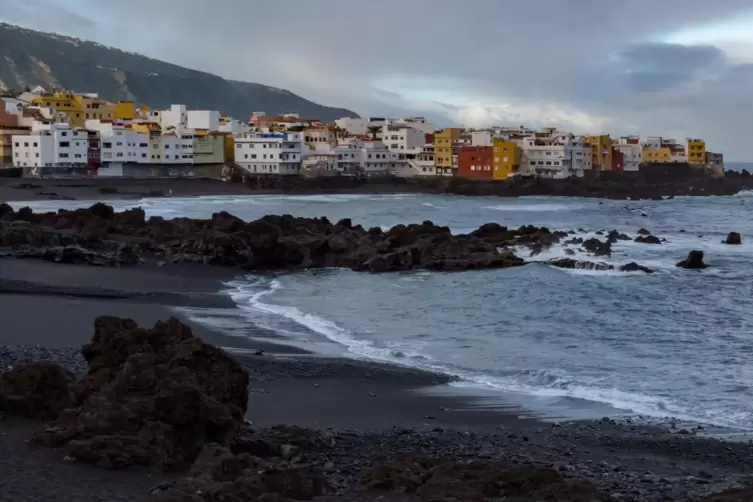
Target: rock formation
x,y
100,236
647,239
570,263
39,390
151,397
693,261
598,248
733,238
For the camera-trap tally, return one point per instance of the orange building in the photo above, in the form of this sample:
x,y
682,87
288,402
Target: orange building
x,y
475,162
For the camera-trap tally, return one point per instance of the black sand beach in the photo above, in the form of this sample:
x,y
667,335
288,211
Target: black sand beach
x,y
374,410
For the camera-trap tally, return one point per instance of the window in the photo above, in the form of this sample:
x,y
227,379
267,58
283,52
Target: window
x,y
35,144
64,133
167,147
119,143
26,144
63,155
143,145
64,144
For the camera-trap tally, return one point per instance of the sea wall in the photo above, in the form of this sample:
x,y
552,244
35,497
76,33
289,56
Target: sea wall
x,y
138,171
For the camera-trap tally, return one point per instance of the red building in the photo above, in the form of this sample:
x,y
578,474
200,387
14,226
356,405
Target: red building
x,y
429,139
94,152
618,161
475,162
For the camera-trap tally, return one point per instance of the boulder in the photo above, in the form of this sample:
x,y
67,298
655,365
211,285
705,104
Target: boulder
x,y
598,248
39,390
643,231
614,236
693,261
634,267
733,238
648,239
579,264
151,397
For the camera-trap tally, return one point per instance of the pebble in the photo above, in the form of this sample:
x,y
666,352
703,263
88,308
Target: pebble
x,y
69,358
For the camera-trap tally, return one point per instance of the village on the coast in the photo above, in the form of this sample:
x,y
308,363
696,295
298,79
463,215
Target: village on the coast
x,y
43,133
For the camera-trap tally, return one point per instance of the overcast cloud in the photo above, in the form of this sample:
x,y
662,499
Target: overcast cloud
x,y
653,67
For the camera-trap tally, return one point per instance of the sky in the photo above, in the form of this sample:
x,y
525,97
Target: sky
x,y
672,68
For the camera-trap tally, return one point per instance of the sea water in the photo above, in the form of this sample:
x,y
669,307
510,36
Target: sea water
x,y
677,343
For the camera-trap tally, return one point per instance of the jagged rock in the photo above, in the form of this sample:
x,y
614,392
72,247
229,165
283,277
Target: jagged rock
x,y
634,267
614,236
151,397
643,231
598,248
431,479
648,239
693,261
733,238
39,390
574,241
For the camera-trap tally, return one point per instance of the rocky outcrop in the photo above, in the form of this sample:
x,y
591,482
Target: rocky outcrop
x,y
643,231
569,263
614,236
598,248
278,464
433,479
100,236
693,261
151,397
734,239
647,239
39,390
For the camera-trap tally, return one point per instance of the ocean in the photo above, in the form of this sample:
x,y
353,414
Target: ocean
x,y
563,343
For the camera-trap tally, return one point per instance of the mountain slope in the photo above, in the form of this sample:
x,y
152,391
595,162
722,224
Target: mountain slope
x,y
31,58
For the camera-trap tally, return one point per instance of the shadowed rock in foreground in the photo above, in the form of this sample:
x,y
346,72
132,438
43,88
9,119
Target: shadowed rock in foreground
x,y
151,397
100,236
39,390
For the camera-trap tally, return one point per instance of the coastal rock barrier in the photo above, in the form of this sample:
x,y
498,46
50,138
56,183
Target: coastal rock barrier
x,y
100,236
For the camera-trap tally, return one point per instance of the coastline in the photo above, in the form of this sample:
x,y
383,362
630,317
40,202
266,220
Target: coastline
x,y
374,410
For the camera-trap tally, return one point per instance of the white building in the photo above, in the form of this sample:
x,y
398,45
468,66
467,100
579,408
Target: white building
x,y
402,138
51,145
419,162
203,119
120,144
233,126
176,116
558,156
317,164
481,138
652,142
632,155
354,126
678,153
269,153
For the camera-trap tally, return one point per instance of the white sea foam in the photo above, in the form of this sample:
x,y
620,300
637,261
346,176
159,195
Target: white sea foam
x,y
534,207
433,206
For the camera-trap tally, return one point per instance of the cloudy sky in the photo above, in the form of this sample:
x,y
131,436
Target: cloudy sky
x,y
675,68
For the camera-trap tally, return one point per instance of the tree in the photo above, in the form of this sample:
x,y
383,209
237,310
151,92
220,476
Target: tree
x,y
373,130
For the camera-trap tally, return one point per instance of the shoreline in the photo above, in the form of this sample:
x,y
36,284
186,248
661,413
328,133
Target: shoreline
x,y
373,410
608,186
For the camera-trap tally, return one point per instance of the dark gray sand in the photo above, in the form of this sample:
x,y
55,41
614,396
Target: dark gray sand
x,y
375,410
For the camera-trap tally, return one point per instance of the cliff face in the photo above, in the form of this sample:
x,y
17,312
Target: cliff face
x,y
31,58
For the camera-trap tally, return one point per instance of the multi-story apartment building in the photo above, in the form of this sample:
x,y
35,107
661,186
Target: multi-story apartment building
x,y
631,151
446,149
208,120
270,152
9,127
660,155
78,108
119,143
554,155
696,151
51,145
402,137
506,159
476,162
601,151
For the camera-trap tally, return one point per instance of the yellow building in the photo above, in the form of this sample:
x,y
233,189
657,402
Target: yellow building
x,y
229,148
125,110
696,151
657,155
78,108
445,141
149,128
505,158
601,151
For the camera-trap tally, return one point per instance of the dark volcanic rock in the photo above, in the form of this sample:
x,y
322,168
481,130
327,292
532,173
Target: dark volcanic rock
x,y
433,479
100,236
648,239
693,261
634,267
151,397
615,236
597,247
38,390
733,238
643,231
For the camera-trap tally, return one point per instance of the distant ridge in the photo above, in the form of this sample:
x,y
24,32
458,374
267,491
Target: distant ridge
x,y
31,58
